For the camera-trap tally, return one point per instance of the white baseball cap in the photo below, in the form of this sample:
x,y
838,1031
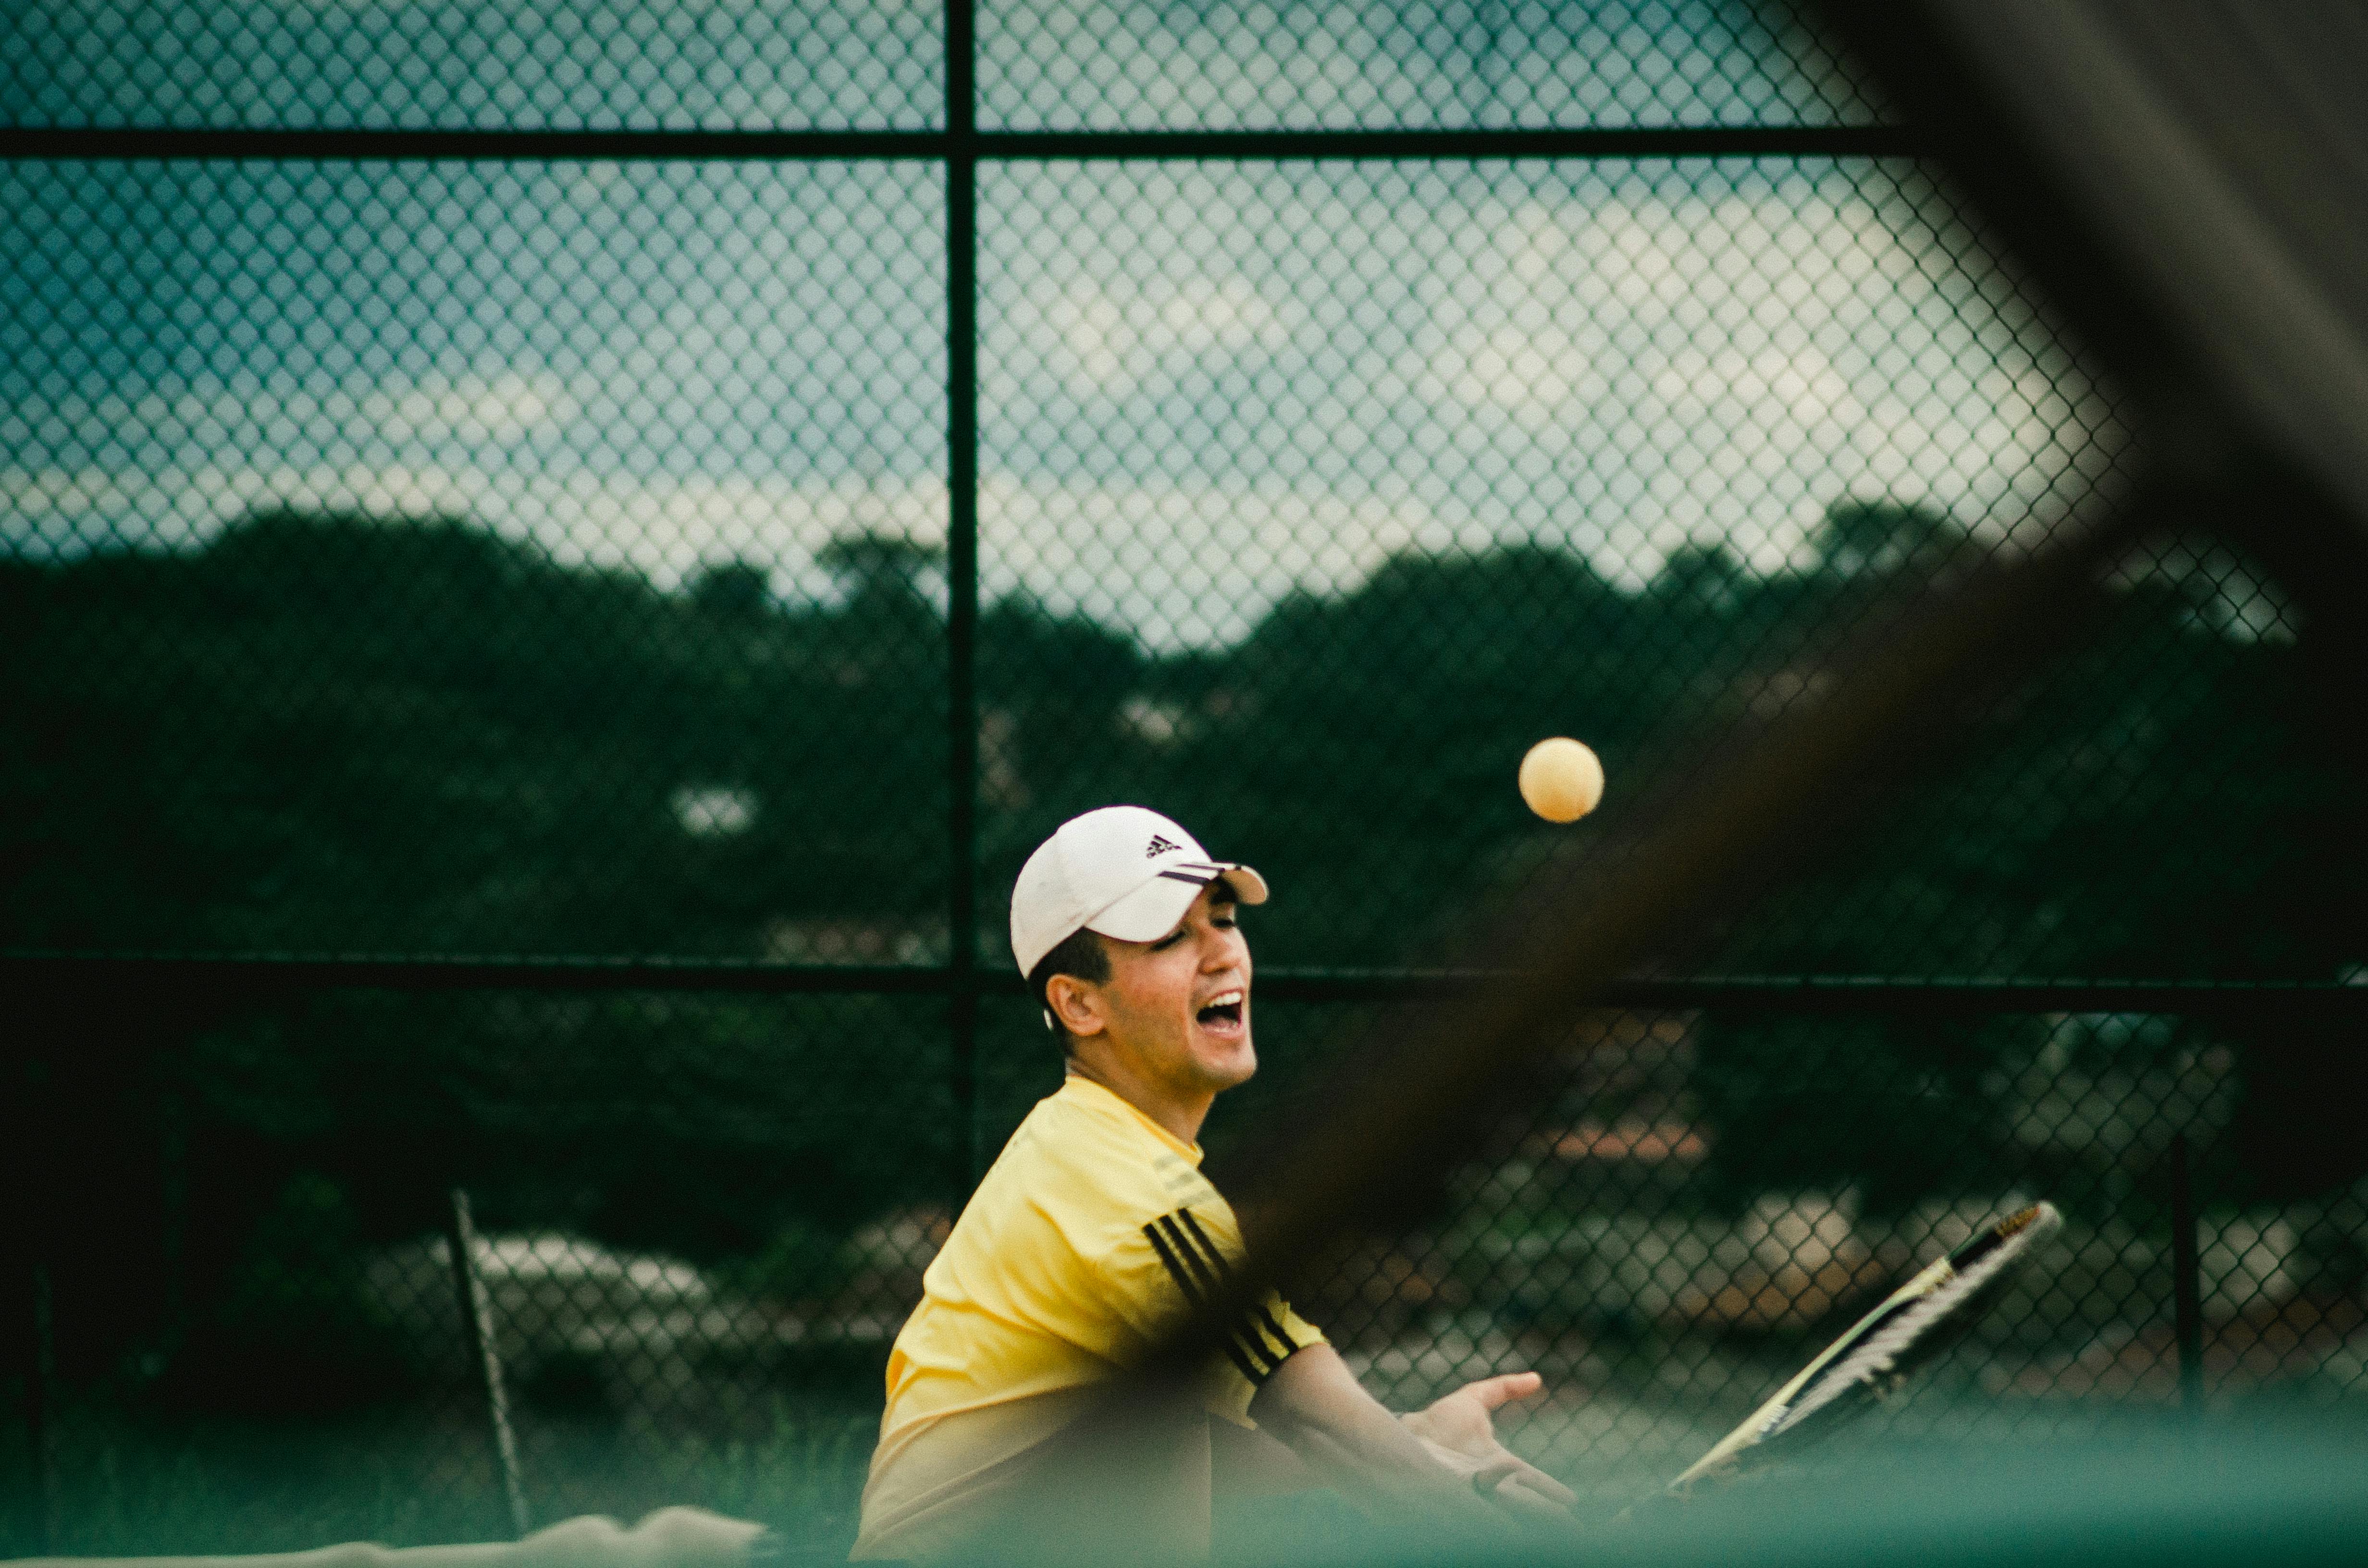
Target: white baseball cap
x,y
1124,871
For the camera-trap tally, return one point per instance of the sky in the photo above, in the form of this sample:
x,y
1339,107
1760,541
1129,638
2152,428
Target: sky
x,y
1202,386
878,64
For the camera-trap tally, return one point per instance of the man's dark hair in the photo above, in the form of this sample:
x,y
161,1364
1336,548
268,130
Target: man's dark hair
x,y
1080,953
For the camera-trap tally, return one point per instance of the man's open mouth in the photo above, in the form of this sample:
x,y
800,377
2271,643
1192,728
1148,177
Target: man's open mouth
x,y
1224,1008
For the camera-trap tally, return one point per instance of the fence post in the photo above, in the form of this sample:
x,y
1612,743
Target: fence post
x,y
477,1329
2187,1279
961,583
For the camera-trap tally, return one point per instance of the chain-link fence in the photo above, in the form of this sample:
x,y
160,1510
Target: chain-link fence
x,y
559,562
701,1220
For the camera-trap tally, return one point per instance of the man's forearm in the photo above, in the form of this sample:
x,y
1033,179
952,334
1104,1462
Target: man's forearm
x,y
1246,1464
1314,1406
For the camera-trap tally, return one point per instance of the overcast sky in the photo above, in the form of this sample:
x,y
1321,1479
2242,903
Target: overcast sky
x,y
1201,386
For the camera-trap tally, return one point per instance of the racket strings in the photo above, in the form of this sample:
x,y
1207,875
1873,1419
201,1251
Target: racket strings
x,y
1874,1356
1880,1356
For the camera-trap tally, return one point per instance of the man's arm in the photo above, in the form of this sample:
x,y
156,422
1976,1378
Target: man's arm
x,y
1460,1431
1251,1463
1316,1408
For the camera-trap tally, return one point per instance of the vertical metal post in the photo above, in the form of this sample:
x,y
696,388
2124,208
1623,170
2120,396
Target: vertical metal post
x,y
477,1329
962,575
2187,1279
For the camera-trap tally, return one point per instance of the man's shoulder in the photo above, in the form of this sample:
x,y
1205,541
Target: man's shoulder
x,y
1077,1152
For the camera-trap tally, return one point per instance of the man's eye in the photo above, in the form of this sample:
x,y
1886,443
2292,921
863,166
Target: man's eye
x,y
1225,922
1169,940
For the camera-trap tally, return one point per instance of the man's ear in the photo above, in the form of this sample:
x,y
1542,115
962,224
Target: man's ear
x,y
1074,1005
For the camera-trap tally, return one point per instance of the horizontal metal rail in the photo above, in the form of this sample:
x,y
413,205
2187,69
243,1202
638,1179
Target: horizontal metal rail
x,y
161,143
270,973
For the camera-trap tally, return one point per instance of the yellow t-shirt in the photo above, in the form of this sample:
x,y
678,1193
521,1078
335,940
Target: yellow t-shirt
x,y
1093,1234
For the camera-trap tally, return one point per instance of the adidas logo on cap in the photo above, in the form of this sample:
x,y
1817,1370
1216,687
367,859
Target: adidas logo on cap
x,y
1125,872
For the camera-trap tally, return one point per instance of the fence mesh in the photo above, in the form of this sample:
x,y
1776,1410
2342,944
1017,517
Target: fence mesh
x,y
1381,63
193,64
549,556
407,544
679,64
700,1221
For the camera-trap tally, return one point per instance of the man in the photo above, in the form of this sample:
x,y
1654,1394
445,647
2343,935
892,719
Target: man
x,y
1095,1234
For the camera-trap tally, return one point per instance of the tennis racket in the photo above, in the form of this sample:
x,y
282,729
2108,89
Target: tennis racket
x,y
1883,1350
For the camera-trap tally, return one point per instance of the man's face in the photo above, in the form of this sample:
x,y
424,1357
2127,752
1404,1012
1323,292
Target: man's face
x,y
1180,1006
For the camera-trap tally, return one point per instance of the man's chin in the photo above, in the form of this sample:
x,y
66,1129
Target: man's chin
x,y
1226,1063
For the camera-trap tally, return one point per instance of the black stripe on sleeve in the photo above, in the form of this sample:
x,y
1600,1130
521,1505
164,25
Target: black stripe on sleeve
x,y
1258,1351
1167,1256
1288,1344
1210,1281
1251,1354
1208,1247
1254,1371
1247,1331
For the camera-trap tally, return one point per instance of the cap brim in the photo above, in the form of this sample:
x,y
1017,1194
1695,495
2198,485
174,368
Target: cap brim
x,y
1152,909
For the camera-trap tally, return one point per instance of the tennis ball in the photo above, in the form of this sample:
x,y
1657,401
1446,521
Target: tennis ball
x,y
1561,779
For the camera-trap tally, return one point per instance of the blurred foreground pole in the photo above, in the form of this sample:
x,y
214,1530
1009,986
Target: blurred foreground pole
x,y
1405,1112
2188,179
1415,1086
477,1329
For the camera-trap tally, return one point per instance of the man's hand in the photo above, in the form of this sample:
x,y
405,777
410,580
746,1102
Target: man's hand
x,y
1461,1433
1441,1467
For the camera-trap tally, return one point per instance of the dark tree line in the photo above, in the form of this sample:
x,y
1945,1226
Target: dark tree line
x,y
337,733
